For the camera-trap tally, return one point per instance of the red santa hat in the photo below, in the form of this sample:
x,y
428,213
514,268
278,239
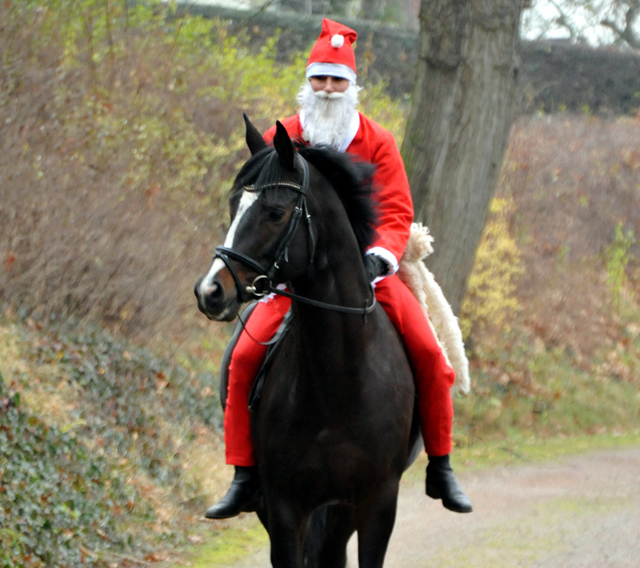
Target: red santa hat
x,y
333,52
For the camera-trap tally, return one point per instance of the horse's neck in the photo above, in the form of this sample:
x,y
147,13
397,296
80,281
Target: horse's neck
x,y
332,342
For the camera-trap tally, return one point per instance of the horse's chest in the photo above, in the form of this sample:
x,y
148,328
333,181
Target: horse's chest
x,y
332,449
323,437
322,464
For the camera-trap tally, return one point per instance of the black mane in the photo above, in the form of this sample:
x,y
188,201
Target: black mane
x,y
351,179
353,182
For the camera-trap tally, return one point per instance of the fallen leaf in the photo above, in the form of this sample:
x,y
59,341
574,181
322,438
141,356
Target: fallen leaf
x,y
9,260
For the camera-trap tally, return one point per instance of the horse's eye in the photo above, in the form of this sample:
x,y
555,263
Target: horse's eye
x,y
275,215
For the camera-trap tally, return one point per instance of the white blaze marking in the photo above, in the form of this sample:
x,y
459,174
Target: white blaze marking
x,y
246,201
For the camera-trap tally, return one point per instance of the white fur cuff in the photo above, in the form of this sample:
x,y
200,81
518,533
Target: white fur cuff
x,y
390,258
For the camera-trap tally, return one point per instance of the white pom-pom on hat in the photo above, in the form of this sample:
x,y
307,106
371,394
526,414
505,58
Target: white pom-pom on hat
x,y
337,41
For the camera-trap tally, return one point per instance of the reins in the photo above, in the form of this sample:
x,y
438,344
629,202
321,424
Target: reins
x,y
364,311
265,276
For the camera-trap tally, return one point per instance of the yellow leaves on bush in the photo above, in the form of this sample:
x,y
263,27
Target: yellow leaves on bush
x,y
491,289
616,259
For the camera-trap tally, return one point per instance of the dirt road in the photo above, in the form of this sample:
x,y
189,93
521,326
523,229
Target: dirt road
x,y
582,512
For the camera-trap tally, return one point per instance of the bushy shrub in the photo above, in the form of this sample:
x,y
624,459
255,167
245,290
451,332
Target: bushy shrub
x,y
134,406
491,300
60,505
568,360
573,179
96,448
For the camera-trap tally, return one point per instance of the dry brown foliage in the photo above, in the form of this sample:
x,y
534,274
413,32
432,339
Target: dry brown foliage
x,y
74,239
573,179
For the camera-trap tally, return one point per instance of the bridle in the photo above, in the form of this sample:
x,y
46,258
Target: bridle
x,y
262,284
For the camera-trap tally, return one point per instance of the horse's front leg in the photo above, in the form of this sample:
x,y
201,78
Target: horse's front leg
x,y
375,517
287,528
339,526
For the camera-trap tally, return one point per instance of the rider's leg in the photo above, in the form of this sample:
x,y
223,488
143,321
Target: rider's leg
x,y
245,363
432,374
433,379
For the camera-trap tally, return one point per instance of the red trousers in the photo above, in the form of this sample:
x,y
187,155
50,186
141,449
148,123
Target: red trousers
x,y
433,377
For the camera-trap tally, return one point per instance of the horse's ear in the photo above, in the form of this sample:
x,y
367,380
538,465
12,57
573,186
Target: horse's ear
x,y
254,139
284,147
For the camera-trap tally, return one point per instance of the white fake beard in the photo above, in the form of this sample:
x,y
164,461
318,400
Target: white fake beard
x,y
327,116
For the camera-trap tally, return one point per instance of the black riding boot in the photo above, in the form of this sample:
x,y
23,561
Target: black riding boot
x,y
441,484
243,495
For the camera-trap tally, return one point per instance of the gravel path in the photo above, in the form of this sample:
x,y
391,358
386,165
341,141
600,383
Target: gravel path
x,y
582,512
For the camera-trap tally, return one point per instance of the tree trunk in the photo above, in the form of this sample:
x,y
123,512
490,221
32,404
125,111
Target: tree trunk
x,y
459,125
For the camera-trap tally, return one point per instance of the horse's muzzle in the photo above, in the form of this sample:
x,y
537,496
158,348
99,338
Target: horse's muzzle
x,y
214,302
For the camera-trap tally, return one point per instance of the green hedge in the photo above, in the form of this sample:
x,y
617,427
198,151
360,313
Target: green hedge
x,y
60,505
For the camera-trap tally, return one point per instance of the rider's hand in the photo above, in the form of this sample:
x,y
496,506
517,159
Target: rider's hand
x,y
375,266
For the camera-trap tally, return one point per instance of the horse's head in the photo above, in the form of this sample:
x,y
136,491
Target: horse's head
x,y
270,239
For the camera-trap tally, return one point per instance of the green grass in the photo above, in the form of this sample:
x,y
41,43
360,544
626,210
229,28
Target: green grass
x,y
519,450
224,545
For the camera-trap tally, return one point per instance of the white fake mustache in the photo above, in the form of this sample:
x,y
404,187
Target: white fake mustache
x,y
328,96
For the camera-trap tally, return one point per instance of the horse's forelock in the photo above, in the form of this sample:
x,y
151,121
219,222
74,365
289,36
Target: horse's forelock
x,y
261,169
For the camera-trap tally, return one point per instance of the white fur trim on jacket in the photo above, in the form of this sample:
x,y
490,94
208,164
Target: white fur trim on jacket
x,y
388,257
440,316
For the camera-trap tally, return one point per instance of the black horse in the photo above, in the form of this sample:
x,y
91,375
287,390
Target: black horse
x,y
333,431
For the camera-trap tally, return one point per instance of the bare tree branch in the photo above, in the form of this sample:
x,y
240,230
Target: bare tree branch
x,y
628,33
563,20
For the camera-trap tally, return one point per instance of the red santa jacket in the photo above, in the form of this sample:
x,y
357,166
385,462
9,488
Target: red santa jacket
x,y
373,143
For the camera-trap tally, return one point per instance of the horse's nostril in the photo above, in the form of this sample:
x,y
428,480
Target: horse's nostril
x,y
210,293
216,291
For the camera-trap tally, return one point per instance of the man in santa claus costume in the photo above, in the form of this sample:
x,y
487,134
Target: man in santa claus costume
x,y
328,115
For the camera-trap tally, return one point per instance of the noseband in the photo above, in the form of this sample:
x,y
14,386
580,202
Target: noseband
x,y
265,276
